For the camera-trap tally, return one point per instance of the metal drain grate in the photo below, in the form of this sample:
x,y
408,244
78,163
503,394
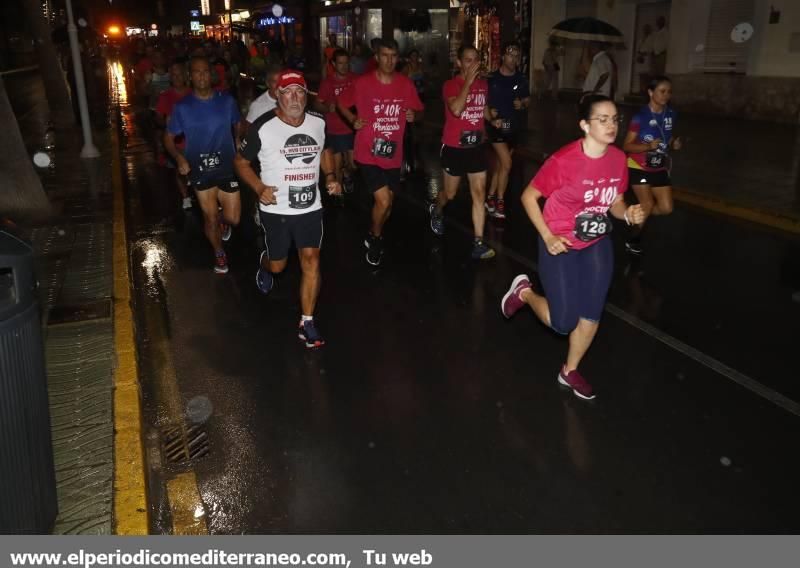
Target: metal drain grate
x,y
184,443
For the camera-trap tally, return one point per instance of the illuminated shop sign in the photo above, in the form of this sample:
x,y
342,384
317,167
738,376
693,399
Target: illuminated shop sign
x,y
273,21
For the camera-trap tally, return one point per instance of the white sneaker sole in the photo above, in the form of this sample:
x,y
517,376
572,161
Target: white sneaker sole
x,y
564,383
514,284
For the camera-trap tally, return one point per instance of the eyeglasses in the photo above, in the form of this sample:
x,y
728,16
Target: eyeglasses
x,y
605,119
512,52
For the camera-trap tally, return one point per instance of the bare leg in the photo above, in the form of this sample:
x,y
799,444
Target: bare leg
x,y
538,304
663,200
310,280
381,210
208,203
503,167
579,341
231,207
448,192
477,187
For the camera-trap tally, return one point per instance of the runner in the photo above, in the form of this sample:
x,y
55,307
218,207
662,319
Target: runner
x,y
208,120
647,143
288,144
164,106
463,151
338,134
267,100
509,98
385,101
582,183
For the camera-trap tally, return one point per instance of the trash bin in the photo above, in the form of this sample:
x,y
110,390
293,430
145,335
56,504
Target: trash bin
x,y
28,501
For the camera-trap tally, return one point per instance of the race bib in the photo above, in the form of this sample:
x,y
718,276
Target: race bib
x,y
590,226
302,197
470,138
209,162
383,148
655,159
505,124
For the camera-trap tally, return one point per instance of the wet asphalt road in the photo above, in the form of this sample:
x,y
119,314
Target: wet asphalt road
x,y
428,412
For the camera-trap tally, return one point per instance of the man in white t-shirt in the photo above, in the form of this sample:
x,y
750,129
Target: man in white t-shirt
x,y
288,143
601,73
267,100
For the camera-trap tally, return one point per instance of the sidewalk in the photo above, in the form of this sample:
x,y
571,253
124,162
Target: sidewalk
x,y
75,261
741,168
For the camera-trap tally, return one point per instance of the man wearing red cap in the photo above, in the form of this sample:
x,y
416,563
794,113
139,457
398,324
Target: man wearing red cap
x,y
384,102
288,143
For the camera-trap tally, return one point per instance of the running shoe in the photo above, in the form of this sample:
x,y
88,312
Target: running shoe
x,y
512,301
226,231
577,383
437,220
264,278
187,203
481,251
308,333
500,209
374,250
348,184
634,246
221,263
490,204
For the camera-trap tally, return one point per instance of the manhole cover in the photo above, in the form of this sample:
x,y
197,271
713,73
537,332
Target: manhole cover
x,y
184,443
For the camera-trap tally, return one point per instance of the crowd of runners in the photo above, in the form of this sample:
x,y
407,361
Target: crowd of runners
x,y
293,144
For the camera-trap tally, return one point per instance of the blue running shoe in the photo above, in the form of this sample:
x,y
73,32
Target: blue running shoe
x,y
264,279
308,333
481,251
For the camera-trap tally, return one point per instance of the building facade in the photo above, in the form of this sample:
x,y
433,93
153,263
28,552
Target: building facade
x,y
729,57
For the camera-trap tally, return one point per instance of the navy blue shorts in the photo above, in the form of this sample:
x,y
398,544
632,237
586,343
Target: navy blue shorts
x,y
339,143
576,283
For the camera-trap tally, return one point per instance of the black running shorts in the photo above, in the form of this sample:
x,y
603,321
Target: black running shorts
x,y
460,161
280,231
653,179
229,185
376,177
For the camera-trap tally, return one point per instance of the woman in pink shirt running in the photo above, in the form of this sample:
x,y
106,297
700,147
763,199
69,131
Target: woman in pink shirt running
x,y
583,182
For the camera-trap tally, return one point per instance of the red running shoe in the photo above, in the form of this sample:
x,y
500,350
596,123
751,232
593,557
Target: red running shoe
x,y
577,383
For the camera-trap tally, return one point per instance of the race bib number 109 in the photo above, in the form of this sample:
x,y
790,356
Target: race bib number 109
x,y
302,197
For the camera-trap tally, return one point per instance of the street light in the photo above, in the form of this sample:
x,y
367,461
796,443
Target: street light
x,y
89,150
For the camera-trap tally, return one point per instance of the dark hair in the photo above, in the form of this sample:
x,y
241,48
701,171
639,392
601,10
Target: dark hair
x,y
388,43
339,53
195,58
508,45
586,106
656,81
466,47
412,52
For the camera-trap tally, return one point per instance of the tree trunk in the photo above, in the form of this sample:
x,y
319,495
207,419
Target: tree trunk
x,y
22,196
55,84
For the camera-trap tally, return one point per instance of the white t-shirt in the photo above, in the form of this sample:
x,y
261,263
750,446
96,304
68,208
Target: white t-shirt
x,y
260,105
601,64
660,41
290,160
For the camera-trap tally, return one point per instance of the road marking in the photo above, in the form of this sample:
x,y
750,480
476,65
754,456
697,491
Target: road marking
x,y
131,513
188,512
696,355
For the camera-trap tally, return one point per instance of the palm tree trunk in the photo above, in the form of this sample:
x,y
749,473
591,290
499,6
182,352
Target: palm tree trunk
x,y
55,84
23,196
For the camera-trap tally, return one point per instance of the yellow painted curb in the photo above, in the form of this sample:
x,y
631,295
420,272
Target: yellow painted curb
x,y
188,513
131,514
769,218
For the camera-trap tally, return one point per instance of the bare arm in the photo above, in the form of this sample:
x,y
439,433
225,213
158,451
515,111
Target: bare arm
x,y
356,122
530,200
328,166
633,215
631,146
457,104
172,150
